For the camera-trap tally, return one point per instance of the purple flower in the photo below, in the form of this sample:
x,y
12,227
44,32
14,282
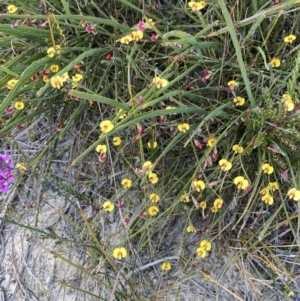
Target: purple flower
x,y
6,178
5,161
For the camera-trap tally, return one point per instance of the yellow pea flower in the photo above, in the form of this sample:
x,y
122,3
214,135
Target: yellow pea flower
x,y
11,9
275,62
225,165
119,253
183,127
267,168
237,149
289,39
106,126
196,5
201,252
198,185
294,194
54,68
206,245
211,142
153,178
239,101
117,141
126,40
240,182
56,82
160,82
108,206
19,105
166,266
127,183
153,210
190,229
154,198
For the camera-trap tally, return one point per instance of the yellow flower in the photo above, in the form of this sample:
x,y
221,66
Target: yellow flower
x,y
198,185
11,83
275,62
201,252
237,149
286,97
225,165
153,210
108,206
211,142
106,126
289,39
232,84
240,182
289,106
183,127
264,191
239,101
166,266
196,5
11,9
119,253
51,52
184,198
214,209
57,49
147,166
203,205
268,199
287,102
56,82
152,144
160,82
171,108
117,141
267,168
19,105
54,68
137,35
206,245
218,203
122,114
126,183
154,198
190,229
126,40
101,148
148,24
21,166
45,78
294,194
65,77
273,186
77,77
153,178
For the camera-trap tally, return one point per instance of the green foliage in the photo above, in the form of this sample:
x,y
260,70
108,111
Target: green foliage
x,y
196,53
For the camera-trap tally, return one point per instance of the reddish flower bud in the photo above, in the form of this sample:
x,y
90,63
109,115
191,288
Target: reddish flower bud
x,y
198,144
139,129
90,28
141,26
102,158
140,100
154,37
109,57
9,110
